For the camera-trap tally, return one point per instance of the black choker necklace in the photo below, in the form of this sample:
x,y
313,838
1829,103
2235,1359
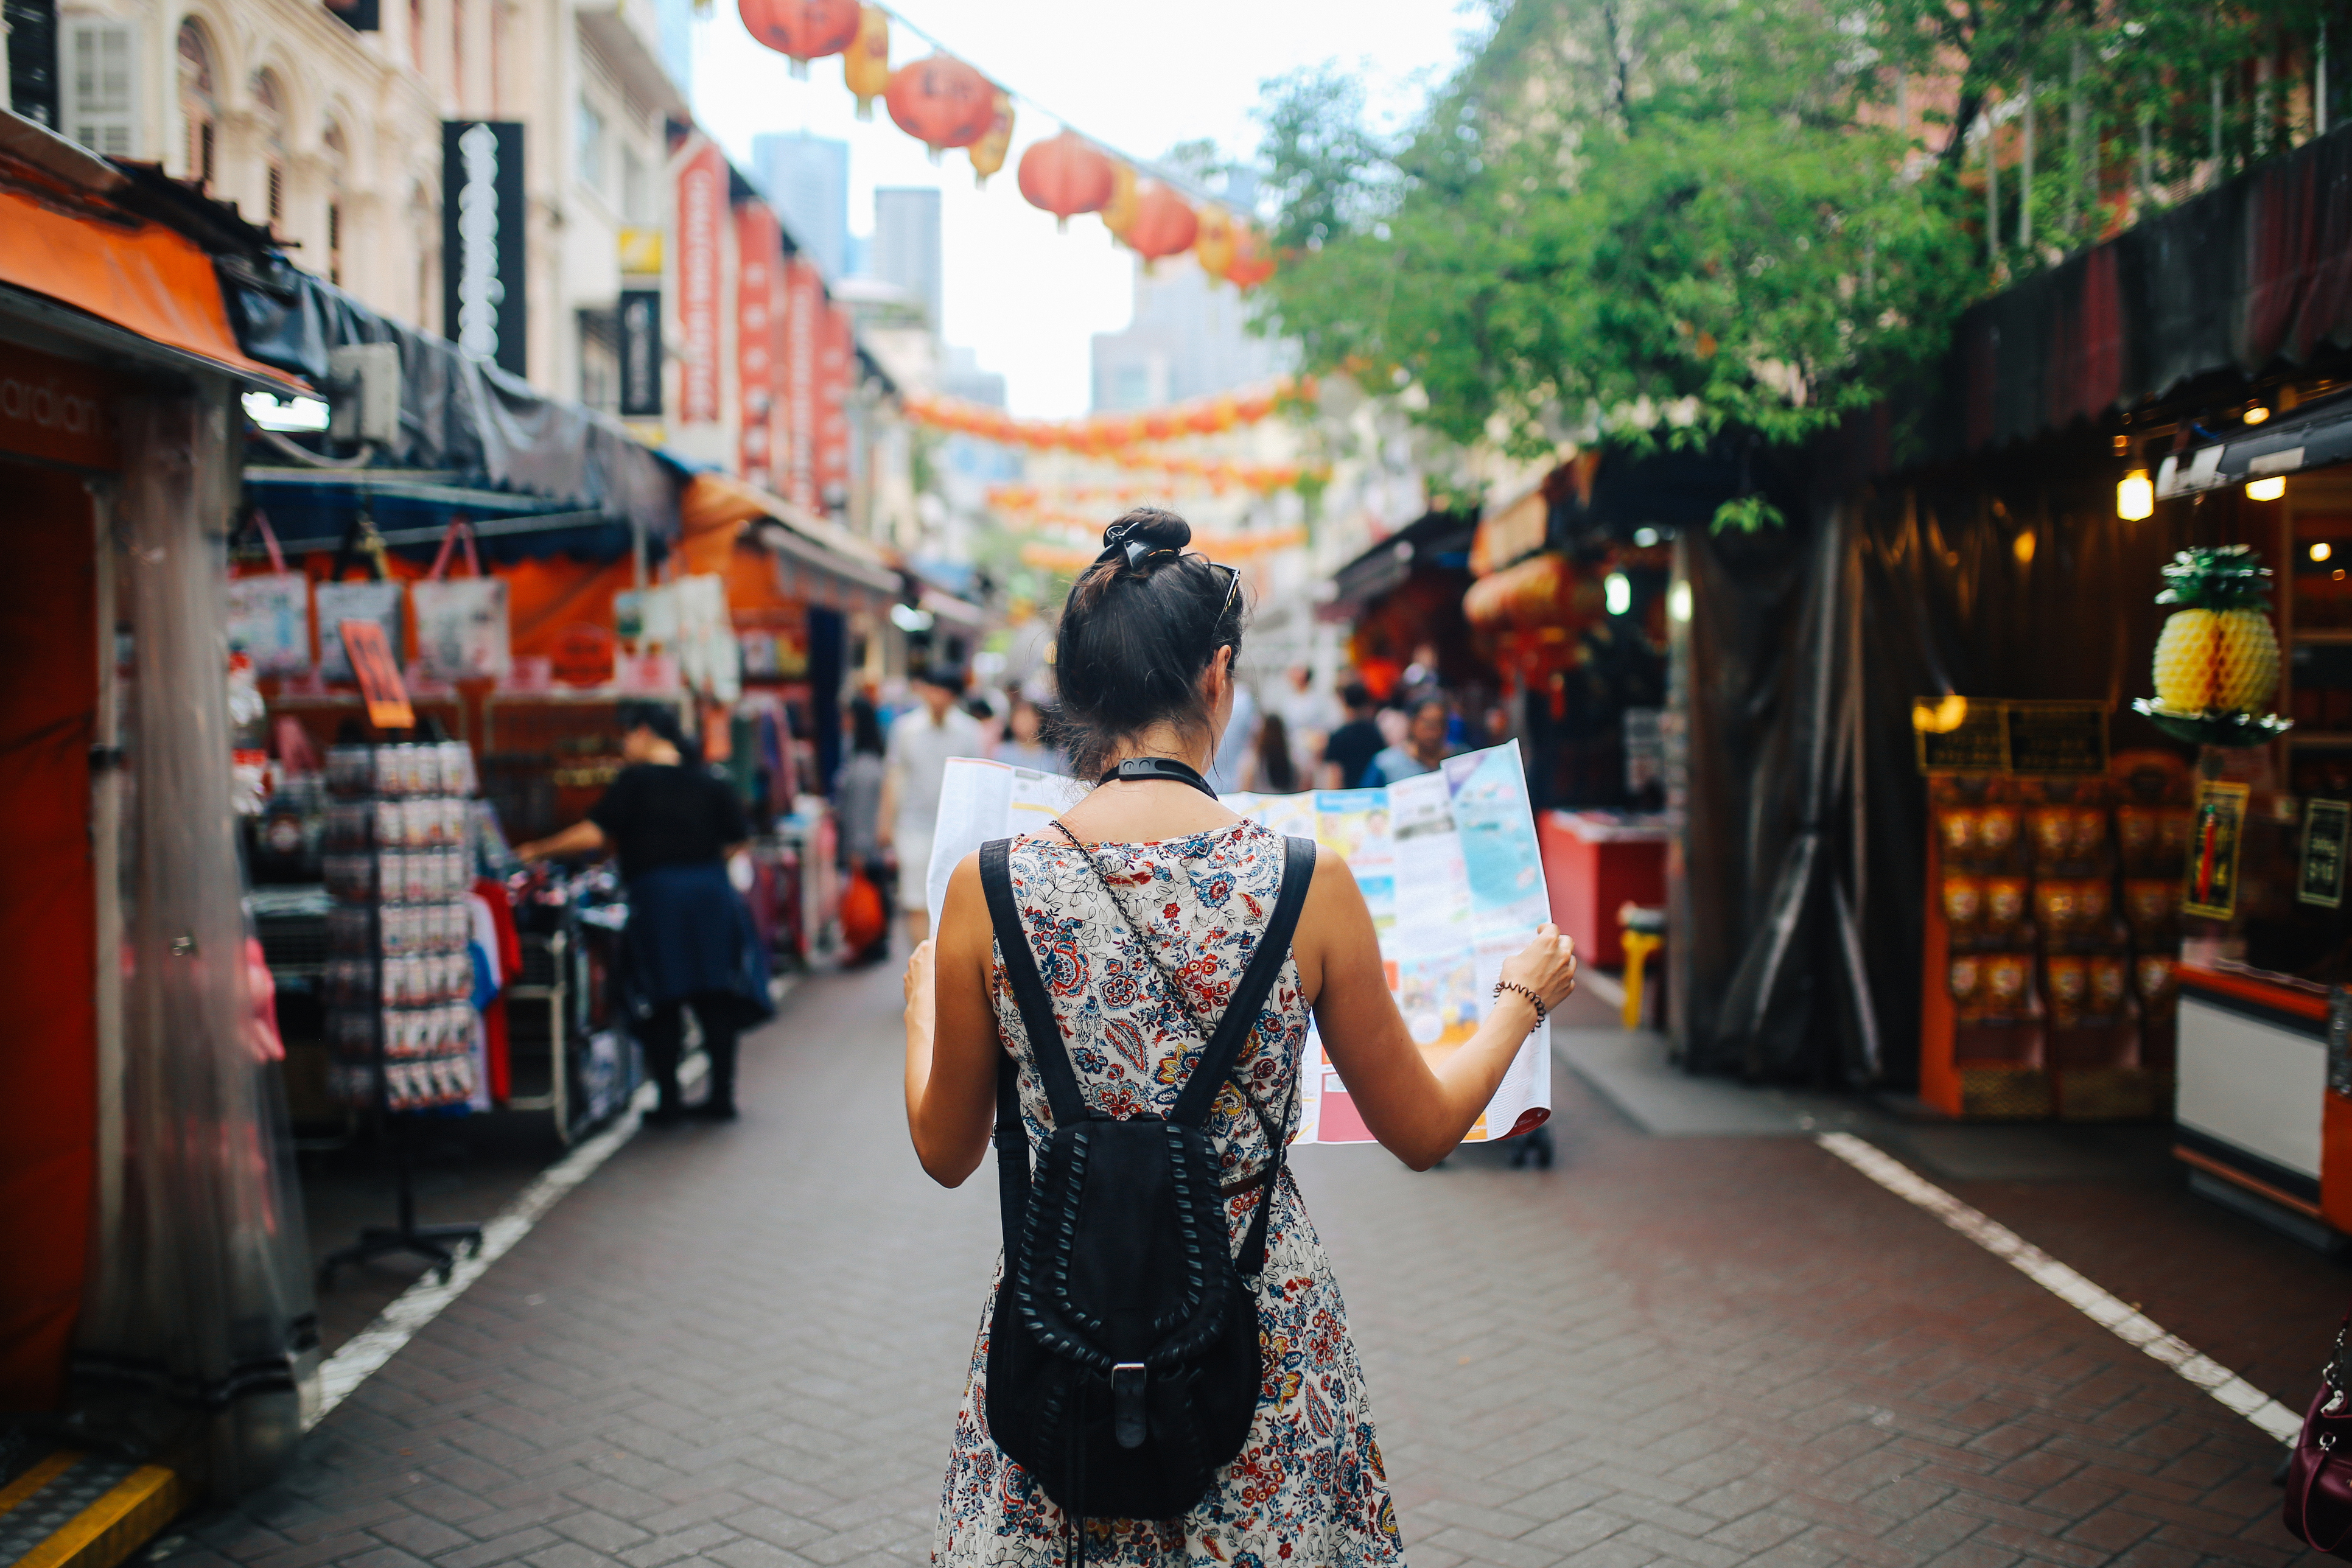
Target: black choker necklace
x,y
1168,768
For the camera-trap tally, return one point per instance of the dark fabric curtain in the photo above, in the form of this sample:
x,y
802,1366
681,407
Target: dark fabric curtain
x,y
1801,891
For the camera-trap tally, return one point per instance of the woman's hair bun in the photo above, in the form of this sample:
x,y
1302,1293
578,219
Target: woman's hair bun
x,y
1150,526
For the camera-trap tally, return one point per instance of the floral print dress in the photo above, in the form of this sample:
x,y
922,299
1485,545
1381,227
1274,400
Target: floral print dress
x,y
1307,1487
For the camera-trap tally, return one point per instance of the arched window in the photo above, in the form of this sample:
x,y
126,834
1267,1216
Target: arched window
x,y
199,111
269,116
331,142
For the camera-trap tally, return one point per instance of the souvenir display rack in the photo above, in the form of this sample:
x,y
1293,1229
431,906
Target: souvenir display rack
x,y
398,977
2053,925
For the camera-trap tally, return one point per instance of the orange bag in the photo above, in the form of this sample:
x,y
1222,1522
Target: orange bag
x,y
862,922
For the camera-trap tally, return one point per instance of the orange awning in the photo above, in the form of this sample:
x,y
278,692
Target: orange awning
x,y
715,509
140,275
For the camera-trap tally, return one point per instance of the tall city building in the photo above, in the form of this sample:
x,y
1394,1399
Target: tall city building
x,y
1188,337
807,181
906,246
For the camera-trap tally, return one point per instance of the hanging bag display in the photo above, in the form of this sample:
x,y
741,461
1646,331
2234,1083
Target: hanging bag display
x,y
461,623
2319,1509
269,613
1123,1356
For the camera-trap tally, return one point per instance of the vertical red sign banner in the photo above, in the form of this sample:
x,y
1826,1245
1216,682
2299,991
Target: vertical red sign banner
x,y
836,367
701,207
759,259
801,400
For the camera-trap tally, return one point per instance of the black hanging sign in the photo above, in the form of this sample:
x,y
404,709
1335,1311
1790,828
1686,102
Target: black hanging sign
x,y
482,279
641,354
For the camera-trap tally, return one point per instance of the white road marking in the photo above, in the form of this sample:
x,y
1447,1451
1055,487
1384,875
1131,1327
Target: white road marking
x,y
368,1350
1602,985
2117,1317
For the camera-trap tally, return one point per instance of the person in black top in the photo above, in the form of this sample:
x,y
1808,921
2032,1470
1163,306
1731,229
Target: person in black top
x,y
674,824
1354,745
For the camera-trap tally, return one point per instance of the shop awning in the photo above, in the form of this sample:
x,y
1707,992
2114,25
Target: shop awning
x,y
1435,539
1542,592
72,243
458,413
842,570
2313,436
310,510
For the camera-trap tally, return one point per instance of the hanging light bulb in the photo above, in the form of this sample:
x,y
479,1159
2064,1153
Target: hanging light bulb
x,y
2269,489
1618,590
2135,496
1678,601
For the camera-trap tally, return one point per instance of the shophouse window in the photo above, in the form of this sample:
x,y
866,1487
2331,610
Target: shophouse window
x,y
423,227
100,96
589,152
199,111
416,33
337,156
270,126
636,191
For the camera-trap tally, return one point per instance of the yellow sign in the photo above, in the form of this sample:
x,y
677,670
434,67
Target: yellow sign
x,y
641,250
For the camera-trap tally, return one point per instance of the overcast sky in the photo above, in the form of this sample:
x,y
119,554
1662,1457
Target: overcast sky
x,y
1140,78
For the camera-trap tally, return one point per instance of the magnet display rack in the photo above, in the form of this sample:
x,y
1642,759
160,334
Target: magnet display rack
x,y
399,976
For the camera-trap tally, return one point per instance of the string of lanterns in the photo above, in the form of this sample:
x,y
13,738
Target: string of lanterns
x,y
945,103
1228,547
1110,435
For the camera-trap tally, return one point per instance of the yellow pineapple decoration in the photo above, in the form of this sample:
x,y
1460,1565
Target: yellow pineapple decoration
x,y
2216,660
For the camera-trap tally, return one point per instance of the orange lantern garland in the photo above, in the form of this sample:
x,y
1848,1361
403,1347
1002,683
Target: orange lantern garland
x,y
1165,223
941,102
802,29
1065,176
866,64
987,154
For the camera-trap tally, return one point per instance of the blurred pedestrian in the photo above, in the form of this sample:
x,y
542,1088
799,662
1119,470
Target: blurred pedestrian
x,y
1277,773
915,766
1023,746
689,942
1352,746
857,808
1235,751
1140,981
1308,716
1426,745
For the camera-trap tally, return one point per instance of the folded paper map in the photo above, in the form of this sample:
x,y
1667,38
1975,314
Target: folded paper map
x,y
1447,862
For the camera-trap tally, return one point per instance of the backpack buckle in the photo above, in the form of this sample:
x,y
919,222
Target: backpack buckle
x,y
1127,1422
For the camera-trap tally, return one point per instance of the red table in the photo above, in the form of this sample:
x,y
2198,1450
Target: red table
x,y
1594,862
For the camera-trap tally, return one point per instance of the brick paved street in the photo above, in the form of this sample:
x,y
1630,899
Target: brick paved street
x,y
743,1346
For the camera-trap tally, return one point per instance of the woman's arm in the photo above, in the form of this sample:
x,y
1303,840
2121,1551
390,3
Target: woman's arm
x,y
583,837
1418,1102
951,1044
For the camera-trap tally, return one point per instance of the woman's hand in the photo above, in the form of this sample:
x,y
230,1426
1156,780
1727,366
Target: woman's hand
x,y
1546,966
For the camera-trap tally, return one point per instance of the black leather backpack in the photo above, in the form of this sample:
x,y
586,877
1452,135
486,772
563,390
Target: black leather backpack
x,y
1123,1359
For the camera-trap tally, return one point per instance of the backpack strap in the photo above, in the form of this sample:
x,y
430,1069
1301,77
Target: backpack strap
x,y
1242,1009
1045,1041
1298,866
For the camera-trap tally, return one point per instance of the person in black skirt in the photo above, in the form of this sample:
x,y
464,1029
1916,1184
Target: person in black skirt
x,y
690,942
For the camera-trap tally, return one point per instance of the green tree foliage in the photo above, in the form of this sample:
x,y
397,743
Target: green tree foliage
x,y
1646,221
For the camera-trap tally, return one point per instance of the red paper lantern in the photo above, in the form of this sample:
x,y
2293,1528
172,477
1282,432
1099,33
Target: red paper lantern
x,y
804,30
1065,176
1252,263
941,102
1165,223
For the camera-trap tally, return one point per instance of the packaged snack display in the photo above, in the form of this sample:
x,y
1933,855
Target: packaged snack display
x,y
398,981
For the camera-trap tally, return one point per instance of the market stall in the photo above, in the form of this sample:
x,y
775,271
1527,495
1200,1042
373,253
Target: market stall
x,y
158,1295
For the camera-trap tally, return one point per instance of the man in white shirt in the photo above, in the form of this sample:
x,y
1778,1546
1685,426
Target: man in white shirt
x,y
915,766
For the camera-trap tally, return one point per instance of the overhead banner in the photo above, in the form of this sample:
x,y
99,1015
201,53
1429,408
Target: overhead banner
x,y
641,354
805,330
701,208
837,373
483,284
759,301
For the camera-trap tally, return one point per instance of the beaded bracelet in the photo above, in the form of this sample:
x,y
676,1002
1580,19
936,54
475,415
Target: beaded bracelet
x,y
1534,1000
